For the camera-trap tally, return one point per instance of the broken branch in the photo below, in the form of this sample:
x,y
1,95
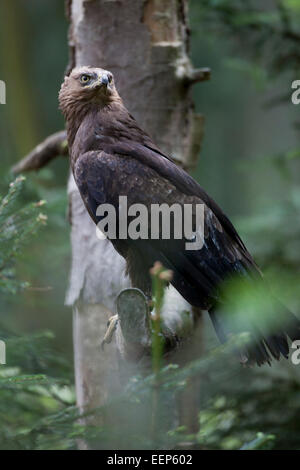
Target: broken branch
x,y
53,146
199,75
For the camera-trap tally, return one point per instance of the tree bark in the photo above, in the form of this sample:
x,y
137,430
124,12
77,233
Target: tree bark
x,y
145,45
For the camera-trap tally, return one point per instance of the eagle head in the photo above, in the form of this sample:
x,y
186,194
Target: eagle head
x,y
85,86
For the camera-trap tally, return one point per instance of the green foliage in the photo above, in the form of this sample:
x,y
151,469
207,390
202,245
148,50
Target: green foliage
x,y
37,411
231,416
17,226
267,33
259,409
29,399
239,408
27,394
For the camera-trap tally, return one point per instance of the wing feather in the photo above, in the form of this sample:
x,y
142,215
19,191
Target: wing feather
x,y
103,177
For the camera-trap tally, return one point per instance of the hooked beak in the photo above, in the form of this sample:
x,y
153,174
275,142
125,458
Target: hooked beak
x,y
104,80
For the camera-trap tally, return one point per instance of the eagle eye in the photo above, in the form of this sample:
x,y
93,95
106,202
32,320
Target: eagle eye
x,y
85,79
110,78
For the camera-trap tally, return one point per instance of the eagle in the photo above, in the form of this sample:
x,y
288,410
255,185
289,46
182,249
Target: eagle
x,y
111,156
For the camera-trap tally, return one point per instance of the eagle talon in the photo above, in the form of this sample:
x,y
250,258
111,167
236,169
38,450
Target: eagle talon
x,y
111,328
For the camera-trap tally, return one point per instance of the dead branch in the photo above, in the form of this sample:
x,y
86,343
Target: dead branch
x,y
53,146
199,75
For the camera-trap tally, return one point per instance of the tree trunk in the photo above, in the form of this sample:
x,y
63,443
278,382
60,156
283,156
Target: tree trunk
x,y
145,45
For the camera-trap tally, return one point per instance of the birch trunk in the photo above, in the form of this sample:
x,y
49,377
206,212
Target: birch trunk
x,y
145,45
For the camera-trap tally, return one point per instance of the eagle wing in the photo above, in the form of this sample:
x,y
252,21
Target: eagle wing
x,y
147,177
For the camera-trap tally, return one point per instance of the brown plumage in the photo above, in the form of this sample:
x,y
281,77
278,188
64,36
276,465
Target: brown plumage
x,y
111,156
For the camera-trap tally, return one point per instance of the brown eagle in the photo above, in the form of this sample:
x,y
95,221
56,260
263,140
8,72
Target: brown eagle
x,y
112,156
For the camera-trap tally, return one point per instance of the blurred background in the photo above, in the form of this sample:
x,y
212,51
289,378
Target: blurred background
x,y
249,163
29,31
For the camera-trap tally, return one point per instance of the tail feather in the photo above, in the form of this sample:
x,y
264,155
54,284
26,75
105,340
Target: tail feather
x,y
262,347
272,343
